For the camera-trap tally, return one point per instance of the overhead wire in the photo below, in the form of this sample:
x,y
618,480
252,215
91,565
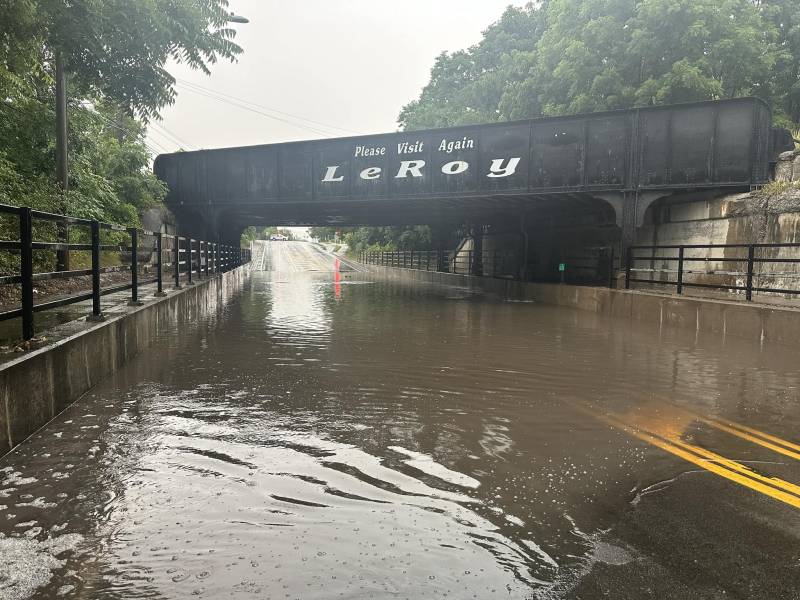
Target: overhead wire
x,y
171,136
310,125
263,114
158,149
268,108
122,128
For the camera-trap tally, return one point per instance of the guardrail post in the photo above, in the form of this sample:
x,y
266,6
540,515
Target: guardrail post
x,y
611,282
628,261
681,251
412,259
177,262
97,313
160,265
751,259
208,259
134,233
189,249
199,259
26,271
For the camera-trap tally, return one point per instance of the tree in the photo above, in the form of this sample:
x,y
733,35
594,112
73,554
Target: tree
x,y
116,52
468,86
570,56
114,49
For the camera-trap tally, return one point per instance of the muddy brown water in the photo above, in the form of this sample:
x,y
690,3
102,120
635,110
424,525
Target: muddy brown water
x,y
366,439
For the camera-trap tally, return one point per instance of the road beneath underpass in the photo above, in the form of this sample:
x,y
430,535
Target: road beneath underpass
x,y
337,436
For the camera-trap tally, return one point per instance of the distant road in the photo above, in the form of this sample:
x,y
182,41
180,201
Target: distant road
x,y
292,257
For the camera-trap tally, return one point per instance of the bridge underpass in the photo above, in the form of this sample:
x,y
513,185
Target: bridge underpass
x,y
551,186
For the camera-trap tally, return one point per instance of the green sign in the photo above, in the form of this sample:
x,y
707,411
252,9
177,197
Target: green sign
x,y
562,267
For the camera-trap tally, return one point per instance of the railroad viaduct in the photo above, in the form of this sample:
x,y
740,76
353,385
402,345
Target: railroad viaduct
x,y
591,178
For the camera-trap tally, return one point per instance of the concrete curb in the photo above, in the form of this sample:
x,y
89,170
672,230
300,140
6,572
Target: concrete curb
x,y
38,385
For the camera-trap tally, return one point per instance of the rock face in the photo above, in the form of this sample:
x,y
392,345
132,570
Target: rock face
x,y
788,167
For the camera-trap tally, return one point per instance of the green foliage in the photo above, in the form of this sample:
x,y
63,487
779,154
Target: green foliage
x,y
110,179
114,49
387,239
778,188
250,234
570,56
114,52
323,234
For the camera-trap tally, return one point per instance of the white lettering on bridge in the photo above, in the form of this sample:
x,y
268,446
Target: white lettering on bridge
x,y
500,167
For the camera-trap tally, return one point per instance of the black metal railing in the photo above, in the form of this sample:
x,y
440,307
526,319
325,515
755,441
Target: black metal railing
x,y
741,268
189,257
491,264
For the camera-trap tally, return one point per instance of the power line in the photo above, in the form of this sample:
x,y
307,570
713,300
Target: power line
x,y
171,136
312,128
263,114
263,107
122,128
165,147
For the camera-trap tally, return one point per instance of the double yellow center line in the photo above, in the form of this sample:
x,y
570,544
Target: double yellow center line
x,y
663,425
774,487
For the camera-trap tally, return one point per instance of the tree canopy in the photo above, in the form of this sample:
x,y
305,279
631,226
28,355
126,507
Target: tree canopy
x,y
557,57
115,53
114,49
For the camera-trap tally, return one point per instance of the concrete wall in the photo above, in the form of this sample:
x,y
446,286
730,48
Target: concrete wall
x,y
755,322
38,385
758,217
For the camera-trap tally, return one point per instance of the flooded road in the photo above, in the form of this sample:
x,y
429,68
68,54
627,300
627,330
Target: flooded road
x,y
340,437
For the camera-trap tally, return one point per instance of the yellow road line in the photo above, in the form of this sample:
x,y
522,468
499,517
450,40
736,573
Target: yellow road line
x,y
770,486
757,437
740,468
744,432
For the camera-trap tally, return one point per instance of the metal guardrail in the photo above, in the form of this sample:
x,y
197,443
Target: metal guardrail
x,y
190,257
492,264
687,274
595,267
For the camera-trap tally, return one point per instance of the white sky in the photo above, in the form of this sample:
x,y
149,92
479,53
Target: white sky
x,y
351,64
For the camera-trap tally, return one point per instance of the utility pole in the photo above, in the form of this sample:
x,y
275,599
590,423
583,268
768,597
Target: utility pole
x,y
62,157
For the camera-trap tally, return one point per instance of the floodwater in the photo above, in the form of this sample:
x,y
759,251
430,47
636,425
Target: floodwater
x,y
337,436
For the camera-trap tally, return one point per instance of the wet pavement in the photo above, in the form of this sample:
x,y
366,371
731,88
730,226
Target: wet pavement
x,y
333,436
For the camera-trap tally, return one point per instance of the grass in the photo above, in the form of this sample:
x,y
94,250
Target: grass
x,y
775,188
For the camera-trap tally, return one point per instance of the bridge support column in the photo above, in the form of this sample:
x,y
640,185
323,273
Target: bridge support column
x,y
476,264
629,221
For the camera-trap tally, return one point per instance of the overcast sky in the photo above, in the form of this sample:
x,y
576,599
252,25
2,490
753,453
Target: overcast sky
x,y
319,68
